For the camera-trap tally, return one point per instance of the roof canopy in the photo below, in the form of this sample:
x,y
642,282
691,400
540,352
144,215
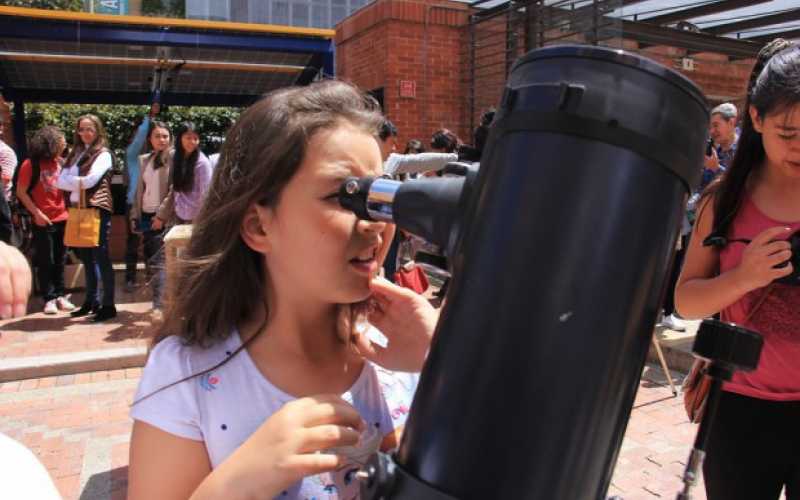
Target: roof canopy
x,y
737,28
76,57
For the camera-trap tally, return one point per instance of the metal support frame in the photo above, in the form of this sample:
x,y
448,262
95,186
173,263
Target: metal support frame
x,y
756,22
26,28
651,34
319,48
702,10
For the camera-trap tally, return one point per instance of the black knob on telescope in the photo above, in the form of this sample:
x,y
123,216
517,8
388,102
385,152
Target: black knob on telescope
x,y
733,347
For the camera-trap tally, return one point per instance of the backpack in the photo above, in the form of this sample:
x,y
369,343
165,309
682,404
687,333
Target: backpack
x,y
35,174
22,220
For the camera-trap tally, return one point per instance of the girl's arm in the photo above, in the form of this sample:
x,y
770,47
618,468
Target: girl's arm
x,y
72,182
280,452
163,465
138,140
67,179
702,291
23,181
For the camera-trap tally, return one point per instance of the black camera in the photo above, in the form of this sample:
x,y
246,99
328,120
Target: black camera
x,y
714,240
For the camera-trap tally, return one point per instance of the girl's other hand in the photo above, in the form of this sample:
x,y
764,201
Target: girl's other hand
x,y
407,320
290,445
15,282
757,268
156,224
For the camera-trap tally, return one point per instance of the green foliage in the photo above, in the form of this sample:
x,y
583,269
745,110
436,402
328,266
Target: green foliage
x,y
164,8
120,122
73,5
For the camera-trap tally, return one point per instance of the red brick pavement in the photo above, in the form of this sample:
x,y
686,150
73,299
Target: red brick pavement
x,y
39,334
78,427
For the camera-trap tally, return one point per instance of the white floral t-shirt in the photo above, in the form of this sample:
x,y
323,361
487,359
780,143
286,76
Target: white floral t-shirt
x,y
224,407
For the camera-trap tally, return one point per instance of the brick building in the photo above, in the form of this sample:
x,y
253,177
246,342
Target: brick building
x,y
414,55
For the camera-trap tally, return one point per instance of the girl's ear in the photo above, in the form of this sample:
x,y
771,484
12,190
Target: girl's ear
x,y
758,123
254,228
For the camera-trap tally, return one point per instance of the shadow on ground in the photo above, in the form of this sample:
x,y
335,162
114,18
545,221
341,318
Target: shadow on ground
x,y
106,485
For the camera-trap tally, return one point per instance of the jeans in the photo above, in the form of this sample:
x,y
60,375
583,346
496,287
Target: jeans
x,y
154,258
131,250
49,251
98,256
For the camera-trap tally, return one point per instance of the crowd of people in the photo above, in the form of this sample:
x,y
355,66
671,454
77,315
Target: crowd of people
x,y
166,183
283,317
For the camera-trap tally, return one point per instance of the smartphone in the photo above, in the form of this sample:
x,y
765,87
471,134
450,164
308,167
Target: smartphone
x,y
709,147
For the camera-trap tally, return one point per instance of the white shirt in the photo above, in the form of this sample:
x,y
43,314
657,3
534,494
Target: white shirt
x,y
22,476
8,164
69,180
224,407
150,198
417,163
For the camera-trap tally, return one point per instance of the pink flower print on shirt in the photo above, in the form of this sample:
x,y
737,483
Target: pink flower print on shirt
x,y
399,412
209,381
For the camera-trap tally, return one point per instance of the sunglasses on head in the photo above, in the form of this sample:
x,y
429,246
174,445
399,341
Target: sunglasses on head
x,y
715,240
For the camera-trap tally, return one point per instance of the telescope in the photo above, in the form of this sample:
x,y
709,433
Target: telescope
x,y
559,246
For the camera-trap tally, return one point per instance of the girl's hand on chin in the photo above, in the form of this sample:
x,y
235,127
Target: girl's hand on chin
x,y
407,320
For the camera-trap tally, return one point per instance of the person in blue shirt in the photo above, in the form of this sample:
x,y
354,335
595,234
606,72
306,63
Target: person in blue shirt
x,y
132,153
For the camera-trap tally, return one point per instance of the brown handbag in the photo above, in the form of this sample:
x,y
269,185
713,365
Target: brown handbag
x,y
697,383
83,224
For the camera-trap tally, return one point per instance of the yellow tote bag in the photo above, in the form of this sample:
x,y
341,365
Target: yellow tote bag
x,y
83,225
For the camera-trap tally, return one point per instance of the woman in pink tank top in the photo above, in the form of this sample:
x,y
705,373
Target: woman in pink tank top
x,y
753,212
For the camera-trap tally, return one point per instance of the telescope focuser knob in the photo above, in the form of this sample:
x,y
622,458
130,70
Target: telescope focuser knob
x,y
728,345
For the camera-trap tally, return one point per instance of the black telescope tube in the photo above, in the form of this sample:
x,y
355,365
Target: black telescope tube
x,y
560,272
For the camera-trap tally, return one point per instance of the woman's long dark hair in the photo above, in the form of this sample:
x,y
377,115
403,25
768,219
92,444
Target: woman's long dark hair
x,y
183,164
161,157
773,89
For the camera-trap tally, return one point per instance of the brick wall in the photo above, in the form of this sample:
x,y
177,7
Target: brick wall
x,y
427,43
423,44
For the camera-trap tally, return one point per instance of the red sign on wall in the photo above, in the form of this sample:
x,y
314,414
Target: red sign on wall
x,y
408,88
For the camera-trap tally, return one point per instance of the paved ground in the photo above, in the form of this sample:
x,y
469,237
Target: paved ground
x,y
78,426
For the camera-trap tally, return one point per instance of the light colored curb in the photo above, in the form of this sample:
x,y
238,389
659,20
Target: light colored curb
x,y
68,364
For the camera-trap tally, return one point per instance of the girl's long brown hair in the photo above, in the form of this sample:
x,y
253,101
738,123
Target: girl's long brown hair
x,y
100,142
219,281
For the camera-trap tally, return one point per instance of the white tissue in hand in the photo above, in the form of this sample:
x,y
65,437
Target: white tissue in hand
x,y
368,443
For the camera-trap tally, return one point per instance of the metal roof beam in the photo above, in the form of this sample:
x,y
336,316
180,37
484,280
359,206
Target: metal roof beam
x,y
61,96
698,42
702,10
787,34
17,27
148,63
756,22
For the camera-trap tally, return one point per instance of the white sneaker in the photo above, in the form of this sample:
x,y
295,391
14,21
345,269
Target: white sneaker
x,y
673,322
51,307
64,304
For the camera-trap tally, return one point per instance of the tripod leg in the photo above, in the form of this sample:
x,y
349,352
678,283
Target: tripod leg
x,y
664,366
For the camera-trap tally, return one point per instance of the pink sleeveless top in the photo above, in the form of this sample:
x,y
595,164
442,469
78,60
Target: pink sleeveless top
x,y
777,319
